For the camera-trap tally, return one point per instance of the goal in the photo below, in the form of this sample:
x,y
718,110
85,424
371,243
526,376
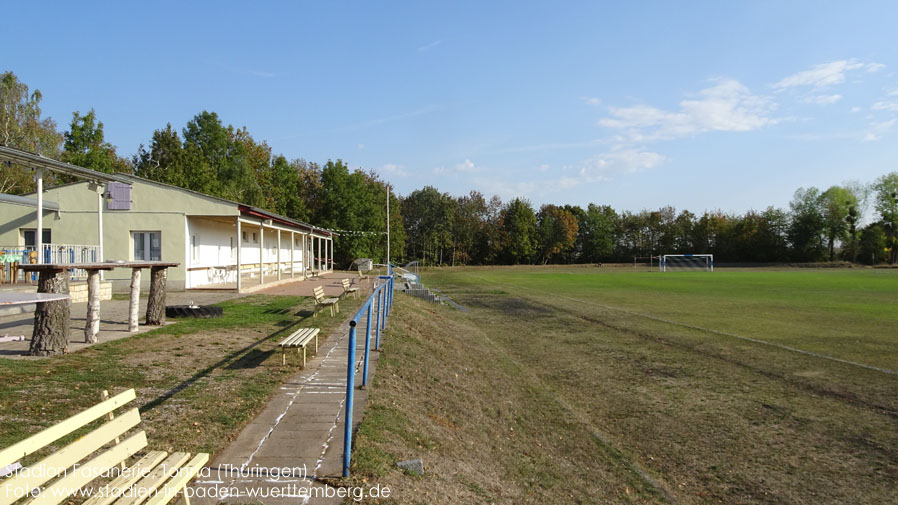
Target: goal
x,y
687,262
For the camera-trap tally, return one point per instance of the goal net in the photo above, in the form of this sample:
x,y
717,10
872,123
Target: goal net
x,y
679,262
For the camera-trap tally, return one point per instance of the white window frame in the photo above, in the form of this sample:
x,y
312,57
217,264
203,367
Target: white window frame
x,y
147,246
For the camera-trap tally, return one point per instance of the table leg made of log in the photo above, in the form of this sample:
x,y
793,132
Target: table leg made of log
x,y
92,323
134,307
51,319
156,298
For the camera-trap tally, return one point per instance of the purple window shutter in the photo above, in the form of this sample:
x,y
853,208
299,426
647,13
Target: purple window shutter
x,y
120,196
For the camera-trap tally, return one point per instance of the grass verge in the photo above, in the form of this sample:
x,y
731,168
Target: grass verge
x,y
198,381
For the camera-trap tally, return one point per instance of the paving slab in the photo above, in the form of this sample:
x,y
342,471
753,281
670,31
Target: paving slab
x,y
300,428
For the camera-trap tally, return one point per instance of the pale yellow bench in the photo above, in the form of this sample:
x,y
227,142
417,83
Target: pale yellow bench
x,y
299,339
363,277
155,479
348,290
322,301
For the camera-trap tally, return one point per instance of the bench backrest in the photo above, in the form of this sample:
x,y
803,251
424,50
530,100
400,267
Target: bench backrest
x,y
319,293
345,283
90,451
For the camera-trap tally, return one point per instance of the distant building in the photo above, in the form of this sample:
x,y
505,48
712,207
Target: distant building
x,y
212,238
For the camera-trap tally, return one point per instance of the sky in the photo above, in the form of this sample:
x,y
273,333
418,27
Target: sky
x,y
701,105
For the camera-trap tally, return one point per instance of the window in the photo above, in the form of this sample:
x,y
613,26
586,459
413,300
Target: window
x,y
244,236
255,238
29,235
147,245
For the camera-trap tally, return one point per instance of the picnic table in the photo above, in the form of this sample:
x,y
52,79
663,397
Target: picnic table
x,y
54,278
52,308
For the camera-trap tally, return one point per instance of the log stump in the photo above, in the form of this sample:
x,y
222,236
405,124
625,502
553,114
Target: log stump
x,y
134,306
92,324
51,319
156,297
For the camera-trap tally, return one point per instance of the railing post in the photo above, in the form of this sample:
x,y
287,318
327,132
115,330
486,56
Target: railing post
x,y
383,305
377,321
367,348
350,390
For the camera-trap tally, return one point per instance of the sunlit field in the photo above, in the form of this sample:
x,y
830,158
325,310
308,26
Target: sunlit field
x,y
737,386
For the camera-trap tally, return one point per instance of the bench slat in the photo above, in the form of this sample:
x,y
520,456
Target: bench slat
x,y
60,461
156,478
171,488
113,491
300,337
40,440
60,490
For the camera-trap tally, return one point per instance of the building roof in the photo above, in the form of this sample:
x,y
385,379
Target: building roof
x,y
243,208
36,161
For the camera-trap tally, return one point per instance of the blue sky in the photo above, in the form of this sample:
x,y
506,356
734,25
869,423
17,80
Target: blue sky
x,y
702,105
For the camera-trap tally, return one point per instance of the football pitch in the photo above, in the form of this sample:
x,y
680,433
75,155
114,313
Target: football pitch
x,y
737,386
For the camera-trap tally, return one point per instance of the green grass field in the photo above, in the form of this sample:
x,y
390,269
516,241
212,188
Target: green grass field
x,y
594,385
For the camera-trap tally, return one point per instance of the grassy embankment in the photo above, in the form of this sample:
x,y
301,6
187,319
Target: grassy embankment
x,y
556,389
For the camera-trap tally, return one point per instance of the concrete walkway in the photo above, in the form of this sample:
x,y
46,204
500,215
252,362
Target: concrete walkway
x,y
296,442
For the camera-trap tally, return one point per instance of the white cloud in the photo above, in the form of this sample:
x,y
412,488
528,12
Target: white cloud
x,y
878,129
543,168
428,47
855,110
621,160
393,169
467,166
591,100
886,105
361,146
825,74
726,106
823,99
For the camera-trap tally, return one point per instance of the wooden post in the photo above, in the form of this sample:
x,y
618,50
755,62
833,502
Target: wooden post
x,y
51,319
156,298
135,300
92,324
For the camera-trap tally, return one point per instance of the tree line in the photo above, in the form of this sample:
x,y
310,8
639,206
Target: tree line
x,y
437,228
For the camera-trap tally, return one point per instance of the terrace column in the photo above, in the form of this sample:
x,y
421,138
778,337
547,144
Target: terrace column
x,y
239,240
261,253
279,254
292,253
39,234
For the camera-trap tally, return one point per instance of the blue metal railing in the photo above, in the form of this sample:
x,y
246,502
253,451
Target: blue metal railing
x,y
383,294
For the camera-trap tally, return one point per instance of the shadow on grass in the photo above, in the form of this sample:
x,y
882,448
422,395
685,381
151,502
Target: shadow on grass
x,y
242,358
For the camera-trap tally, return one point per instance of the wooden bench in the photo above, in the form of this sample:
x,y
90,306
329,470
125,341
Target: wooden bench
x,y
323,301
363,277
348,290
158,477
299,339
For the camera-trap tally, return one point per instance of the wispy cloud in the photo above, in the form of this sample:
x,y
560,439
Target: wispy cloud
x,y
619,160
428,47
389,119
825,74
726,106
878,129
823,99
591,100
393,169
465,167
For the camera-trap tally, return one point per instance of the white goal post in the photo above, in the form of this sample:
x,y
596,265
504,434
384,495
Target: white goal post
x,y
687,262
